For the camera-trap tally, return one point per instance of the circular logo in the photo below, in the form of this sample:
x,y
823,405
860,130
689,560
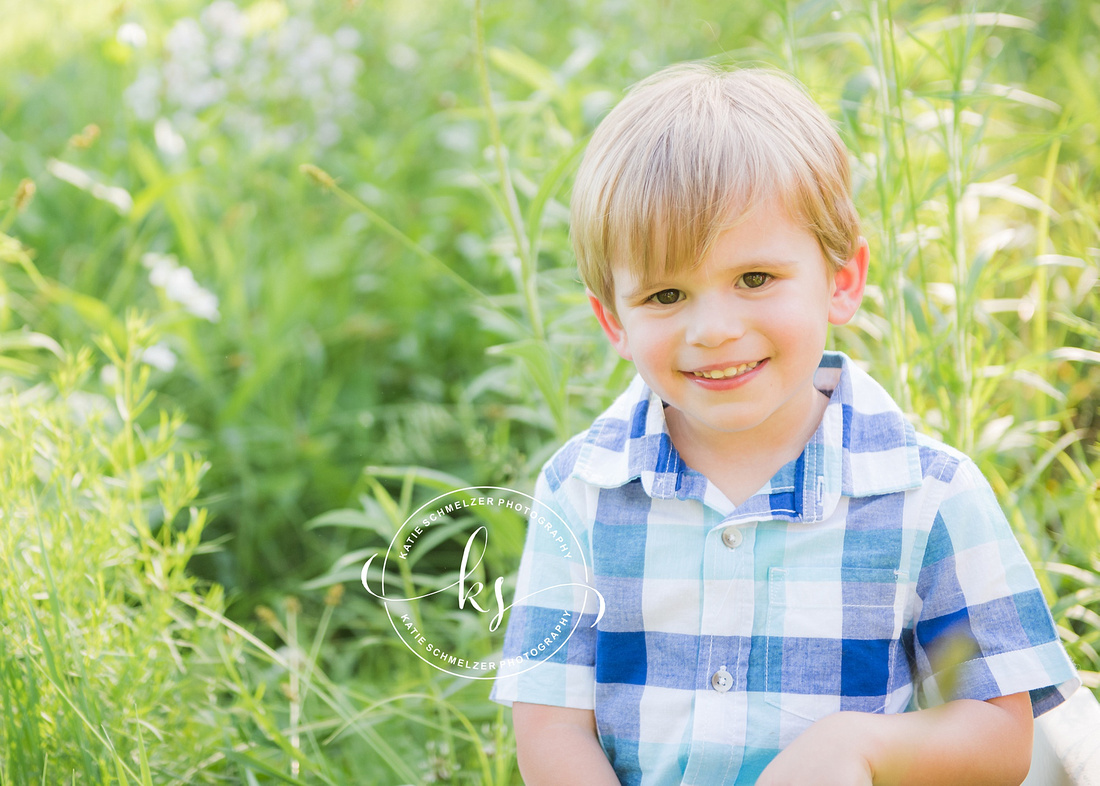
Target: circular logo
x,y
448,609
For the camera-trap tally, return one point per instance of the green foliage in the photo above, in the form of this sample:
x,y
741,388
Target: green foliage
x,y
116,666
100,660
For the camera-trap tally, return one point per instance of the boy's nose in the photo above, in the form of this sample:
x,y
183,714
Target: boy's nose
x,y
713,321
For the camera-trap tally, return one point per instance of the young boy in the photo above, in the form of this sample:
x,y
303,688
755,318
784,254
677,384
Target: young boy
x,y
789,570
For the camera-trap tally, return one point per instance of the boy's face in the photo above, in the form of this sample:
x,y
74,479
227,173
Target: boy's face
x,y
732,345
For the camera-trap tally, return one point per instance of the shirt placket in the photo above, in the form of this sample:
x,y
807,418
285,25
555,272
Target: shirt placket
x,y
725,634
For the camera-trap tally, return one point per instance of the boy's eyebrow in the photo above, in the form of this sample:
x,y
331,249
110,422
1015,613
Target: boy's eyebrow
x,y
770,263
642,288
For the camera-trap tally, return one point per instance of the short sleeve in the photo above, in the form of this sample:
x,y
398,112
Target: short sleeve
x,y
550,641
984,629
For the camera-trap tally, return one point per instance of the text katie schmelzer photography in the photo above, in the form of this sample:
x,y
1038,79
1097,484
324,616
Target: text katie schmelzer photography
x,y
421,619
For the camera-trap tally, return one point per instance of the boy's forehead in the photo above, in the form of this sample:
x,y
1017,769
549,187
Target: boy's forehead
x,y
631,274
633,281
669,252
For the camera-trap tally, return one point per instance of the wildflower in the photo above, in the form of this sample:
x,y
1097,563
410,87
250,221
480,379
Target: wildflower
x,y
179,285
344,70
328,134
160,357
118,197
185,39
403,57
347,38
24,193
247,61
132,35
86,138
318,175
167,139
225,19
334,595
226,54
266,615
143,94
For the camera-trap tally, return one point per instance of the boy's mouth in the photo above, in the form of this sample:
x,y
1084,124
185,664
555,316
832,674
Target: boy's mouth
x,y
727,373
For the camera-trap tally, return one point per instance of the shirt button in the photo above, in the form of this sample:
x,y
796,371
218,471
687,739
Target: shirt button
x,y
722,680
732,537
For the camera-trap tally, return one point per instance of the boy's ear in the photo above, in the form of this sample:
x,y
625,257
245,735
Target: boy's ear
x,y
848,284
612,328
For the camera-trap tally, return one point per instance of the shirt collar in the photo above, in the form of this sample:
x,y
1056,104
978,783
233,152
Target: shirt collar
x,y
863,447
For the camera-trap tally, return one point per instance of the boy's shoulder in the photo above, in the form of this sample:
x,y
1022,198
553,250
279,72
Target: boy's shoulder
x,y
947,464
600,454
873,422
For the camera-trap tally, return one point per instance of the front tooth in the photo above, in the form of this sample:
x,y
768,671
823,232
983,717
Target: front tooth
x,y
724,373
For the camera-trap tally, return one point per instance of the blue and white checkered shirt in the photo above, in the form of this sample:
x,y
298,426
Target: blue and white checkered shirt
x,y
729,630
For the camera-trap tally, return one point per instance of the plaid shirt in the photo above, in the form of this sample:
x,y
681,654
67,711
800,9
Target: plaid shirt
x,y
729,630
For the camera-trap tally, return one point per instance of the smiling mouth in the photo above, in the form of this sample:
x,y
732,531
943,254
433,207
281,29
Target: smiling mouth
x,y
727,373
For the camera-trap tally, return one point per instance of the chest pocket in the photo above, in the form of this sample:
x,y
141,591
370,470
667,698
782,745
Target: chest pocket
x,y
833,639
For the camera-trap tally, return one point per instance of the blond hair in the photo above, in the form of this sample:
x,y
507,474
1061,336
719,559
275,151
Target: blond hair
x,y
688,153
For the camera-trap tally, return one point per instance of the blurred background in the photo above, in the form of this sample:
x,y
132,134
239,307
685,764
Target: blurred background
x,y
273,273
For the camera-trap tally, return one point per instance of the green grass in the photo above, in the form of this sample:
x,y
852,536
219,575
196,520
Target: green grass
x,y
98,530
408,299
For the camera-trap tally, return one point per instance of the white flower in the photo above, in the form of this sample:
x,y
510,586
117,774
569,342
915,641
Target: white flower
x,y
223,17
311,83
202,303
132,35
179,285
226,54
291,37
185,81
70,174
169,142
328,134
159,356
403,57
186,39
108,376
347,38
222,58
143,95
344,70
189,85
118,197
317,52
460,137
160,267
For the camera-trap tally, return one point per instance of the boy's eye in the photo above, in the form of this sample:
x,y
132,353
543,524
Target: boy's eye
x,y
666,297
754,280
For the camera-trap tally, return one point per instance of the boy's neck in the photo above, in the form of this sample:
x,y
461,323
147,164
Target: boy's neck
x,y
740,463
